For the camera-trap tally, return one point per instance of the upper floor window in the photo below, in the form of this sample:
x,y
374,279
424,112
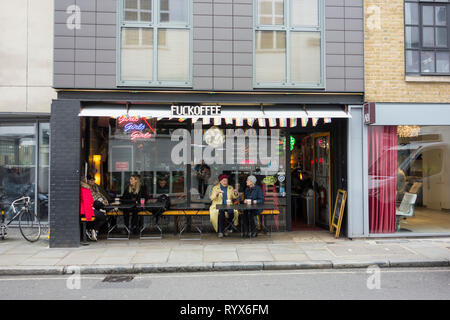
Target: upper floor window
x,y
155,43
288,43
427,40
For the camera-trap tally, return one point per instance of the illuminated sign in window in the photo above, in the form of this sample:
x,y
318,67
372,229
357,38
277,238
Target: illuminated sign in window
x,y
139,128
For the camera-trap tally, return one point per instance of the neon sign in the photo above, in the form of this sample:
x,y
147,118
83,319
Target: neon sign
x,y
291,143
133,127
136,126
140,135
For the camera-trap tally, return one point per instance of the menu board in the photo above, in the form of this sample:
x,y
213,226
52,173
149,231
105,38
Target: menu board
x,y
338,212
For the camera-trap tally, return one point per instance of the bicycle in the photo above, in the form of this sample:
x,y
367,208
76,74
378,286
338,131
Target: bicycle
x,y
29,224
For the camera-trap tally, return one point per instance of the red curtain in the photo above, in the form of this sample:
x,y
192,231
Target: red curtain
x,y
382,178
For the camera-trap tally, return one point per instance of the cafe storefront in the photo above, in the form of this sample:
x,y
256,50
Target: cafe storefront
x,y
298,153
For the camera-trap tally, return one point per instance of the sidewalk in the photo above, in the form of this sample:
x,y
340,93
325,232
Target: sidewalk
x,y
281,251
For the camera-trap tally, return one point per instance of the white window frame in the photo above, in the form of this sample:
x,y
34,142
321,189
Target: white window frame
x,y
155,25
288,28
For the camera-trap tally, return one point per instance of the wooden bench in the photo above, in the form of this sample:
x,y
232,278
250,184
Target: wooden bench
x,y
185,213
178,213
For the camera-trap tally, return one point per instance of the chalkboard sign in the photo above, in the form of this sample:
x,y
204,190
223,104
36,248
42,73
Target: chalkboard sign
x,y
338,212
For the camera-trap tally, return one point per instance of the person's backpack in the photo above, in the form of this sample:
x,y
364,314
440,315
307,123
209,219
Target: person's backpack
x,y
165,200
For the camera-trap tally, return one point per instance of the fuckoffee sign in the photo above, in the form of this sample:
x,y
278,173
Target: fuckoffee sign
x,y
184,111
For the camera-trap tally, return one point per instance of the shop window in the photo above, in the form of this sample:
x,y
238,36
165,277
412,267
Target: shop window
x,y
151,150
155,39
145,150
24,165
409,177
288,43
427,37
239,152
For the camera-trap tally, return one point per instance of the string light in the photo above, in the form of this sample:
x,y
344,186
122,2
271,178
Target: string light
x,y
408,131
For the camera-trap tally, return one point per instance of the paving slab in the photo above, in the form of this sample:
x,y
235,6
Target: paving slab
x,y
151,257
290,257
52,253
323,254
254,254
12,260
185,256
220,255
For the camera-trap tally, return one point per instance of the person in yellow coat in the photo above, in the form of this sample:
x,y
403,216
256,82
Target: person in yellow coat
x,y
220,193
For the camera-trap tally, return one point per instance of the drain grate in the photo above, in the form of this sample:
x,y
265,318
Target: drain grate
x,y
118,278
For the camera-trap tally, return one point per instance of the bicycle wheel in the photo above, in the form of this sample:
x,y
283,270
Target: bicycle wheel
x,y
2,231
29,225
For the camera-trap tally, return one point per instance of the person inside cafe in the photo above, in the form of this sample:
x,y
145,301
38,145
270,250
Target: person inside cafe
x,y
252,195
203,176
101,198
222,193
163,186
88,211
134,192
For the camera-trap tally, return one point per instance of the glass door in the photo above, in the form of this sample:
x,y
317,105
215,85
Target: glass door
x,y
321,179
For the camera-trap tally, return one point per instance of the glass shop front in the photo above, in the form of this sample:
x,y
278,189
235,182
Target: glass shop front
x,y
294,160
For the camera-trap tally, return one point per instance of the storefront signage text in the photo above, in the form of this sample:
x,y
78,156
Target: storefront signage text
x,y
369,113
122,166
195,111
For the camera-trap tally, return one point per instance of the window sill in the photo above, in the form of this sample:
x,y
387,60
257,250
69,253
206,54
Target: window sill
x,y
427,79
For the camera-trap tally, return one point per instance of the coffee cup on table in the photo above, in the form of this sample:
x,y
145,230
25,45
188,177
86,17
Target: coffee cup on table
x,y
248,201
228,202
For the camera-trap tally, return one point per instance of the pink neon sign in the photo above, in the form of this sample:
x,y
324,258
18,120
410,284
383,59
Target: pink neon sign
x,y
136,126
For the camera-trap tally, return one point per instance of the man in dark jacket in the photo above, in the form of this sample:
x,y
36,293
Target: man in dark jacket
x,y
255,195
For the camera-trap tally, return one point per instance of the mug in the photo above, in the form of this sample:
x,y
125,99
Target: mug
x,y
248,201
229,201
142,201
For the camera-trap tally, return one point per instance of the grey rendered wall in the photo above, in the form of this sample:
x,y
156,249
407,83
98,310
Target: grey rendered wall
x,y
222,45
344,45
85,57
223,37
356,168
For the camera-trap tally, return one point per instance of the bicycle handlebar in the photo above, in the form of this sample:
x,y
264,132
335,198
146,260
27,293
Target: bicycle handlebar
x,y
24,198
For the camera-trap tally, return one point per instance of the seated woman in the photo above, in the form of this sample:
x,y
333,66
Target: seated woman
x,y
133,193
220,193
255,194
87,210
